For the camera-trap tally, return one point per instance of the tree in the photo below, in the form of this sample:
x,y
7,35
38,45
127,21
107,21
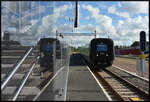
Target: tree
x,y
136,43
116,46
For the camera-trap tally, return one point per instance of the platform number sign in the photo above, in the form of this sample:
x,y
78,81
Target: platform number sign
x,y
142,41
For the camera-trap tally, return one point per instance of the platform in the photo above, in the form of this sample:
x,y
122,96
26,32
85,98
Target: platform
x,y
81,84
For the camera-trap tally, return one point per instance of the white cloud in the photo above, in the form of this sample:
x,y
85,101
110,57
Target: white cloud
x,y
136,6
123,14
16,6
76,30
104,22
125,32
34,21
47,26
29,28
113,10
119,4
37,11
75,41
87,28
79,14
87,18
94,11
49,21
128,30
18,15
102,6
64,28
84,29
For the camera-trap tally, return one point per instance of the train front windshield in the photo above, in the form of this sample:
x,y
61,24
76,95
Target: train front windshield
x,y
48,48
101,47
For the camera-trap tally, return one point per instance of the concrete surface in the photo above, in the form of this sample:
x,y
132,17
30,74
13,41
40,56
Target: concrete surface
x,y
81,84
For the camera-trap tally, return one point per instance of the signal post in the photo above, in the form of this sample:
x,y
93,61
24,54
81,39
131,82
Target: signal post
x,y
143,56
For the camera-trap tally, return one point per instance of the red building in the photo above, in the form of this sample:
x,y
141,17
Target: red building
x,y
127,51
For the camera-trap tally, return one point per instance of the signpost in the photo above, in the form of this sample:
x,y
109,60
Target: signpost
x,y
141,60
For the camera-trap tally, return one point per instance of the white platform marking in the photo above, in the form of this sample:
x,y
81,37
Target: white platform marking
x,y
109,98
130,73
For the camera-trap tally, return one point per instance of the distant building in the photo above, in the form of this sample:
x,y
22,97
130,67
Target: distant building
x,y
6,36
134,49
136,45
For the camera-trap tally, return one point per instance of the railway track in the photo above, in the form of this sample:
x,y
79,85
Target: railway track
x,y
120,84
10,56
121,89
138,81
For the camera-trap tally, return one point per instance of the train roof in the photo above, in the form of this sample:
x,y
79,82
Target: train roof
x,y
101,39
48,39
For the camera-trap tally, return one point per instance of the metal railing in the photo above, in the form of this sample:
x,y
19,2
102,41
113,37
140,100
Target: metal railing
x,y
12,72
19,89
44,88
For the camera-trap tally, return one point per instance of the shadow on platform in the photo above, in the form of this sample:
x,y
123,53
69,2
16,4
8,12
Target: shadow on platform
x,y
76,60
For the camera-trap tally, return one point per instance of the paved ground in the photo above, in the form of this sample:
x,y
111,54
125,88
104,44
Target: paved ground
x,y
81,84
130,65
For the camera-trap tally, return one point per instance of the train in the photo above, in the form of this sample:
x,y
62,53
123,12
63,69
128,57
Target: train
x,y
100,52
49,51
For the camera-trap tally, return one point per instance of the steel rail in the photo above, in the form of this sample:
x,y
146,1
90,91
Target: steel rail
x,y
112,89
19,89
12,72
146,95
129,57
129,83
125,71
140,82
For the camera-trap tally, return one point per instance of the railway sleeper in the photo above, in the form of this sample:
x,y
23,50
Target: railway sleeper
x,y
127,93
122,90
116,84
119,87
131,96
113,81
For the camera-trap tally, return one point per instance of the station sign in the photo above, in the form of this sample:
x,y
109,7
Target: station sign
x,y
142,41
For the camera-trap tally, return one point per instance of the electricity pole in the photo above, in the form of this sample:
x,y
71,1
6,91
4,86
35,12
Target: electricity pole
x,y
76,15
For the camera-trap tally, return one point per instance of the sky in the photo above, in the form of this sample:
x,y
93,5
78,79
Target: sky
x,y
120,21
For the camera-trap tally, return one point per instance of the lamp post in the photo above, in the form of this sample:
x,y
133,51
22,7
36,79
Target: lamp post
x,y
56,34
95,34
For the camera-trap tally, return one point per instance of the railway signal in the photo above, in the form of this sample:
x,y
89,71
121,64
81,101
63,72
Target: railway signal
x,y
142,41
141,60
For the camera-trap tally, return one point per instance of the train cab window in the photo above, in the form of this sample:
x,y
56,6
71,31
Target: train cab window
x,y
48,47
101,47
